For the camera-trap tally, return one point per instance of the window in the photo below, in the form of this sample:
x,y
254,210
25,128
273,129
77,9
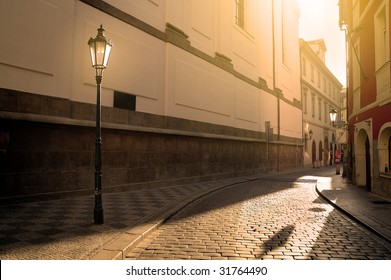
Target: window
x,y
305,101
283,35
318,79
313,105
304,67
312,73
356,68
124,101
239,13
320,108
384,150
324,84
381,37
326,113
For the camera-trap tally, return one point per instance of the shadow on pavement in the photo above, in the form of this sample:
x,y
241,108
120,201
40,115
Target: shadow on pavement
x,y
343,239
278,240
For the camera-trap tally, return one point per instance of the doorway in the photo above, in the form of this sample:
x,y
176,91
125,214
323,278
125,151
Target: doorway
x,y
320,151
368,183
363,169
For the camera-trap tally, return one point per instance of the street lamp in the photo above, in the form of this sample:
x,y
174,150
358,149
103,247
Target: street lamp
x,y
333,116
100,48
337,154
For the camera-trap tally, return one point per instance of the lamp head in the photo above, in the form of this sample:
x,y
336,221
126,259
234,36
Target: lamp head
x,y
100,48
333,115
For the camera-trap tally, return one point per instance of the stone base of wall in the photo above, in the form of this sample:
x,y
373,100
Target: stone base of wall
x,y
52,157
382,186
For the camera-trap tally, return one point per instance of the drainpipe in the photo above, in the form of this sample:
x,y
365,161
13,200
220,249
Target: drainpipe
x,y
347,165
304,139
274,88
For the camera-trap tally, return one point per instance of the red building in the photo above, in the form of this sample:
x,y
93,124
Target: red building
x,y
367,27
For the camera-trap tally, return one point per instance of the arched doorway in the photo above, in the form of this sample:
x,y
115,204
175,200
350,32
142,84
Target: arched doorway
x,y
389,155
320,152
363,160
384,148
313,152
368,181
326,151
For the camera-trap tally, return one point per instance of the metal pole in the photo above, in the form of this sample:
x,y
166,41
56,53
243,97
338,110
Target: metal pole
x,y
98,210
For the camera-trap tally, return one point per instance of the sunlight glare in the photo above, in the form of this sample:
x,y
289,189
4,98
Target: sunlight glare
x,y
319,20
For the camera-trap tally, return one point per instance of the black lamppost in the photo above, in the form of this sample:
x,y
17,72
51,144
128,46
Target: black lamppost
x,y
333,118
100,48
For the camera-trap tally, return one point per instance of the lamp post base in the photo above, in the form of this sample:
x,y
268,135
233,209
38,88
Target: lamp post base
x,y
98,216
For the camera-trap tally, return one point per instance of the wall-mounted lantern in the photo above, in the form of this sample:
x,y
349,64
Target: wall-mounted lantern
x,y
310,133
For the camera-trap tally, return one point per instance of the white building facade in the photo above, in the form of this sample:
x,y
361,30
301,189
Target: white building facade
x,y
320,94
180,72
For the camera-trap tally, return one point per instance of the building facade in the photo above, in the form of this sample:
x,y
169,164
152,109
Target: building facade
x,y
191,93
320,94
367,28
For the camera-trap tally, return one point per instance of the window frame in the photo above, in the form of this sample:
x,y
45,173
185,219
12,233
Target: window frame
x,y
240,13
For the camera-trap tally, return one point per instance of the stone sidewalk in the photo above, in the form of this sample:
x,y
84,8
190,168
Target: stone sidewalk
x,y
371,210
64,229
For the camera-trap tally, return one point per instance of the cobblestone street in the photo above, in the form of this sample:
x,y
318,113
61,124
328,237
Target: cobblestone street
x,y
274,218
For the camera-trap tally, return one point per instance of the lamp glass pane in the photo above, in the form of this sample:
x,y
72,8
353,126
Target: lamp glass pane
x,y
92,52
107,54
333,116
100,47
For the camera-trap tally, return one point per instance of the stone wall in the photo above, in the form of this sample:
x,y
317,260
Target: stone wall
x,y
48,149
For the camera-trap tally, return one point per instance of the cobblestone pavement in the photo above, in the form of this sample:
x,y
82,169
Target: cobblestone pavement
x,y
271,218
